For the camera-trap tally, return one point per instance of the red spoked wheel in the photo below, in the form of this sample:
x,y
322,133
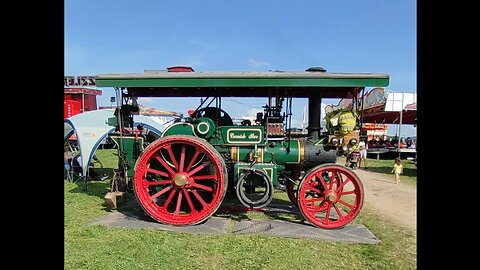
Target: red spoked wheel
x,y
330,196
292,189
180,180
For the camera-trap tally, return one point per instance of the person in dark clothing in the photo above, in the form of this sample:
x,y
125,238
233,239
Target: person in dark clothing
x,y
77,168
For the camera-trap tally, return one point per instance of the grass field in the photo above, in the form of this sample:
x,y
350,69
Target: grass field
x,y
100,247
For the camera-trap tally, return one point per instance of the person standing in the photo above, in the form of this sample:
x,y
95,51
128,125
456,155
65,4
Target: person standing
x,y
362,146
67,156
397,169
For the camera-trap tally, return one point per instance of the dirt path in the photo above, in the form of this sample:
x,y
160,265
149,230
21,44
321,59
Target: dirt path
x,y
397,203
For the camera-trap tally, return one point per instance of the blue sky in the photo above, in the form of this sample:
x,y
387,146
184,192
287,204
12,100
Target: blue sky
x,y
116,36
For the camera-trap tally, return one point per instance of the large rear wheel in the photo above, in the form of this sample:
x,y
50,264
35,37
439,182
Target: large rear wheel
x,y
180,180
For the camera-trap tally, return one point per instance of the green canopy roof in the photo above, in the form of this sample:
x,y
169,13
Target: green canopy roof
x,y
241,84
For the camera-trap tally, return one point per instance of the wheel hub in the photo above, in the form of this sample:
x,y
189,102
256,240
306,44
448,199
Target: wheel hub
x,y
332,197
180,179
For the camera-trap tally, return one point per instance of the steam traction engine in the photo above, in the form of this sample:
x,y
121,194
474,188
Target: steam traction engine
x,y
183,177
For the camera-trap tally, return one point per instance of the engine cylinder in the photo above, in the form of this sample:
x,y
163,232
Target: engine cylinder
x,y
318,154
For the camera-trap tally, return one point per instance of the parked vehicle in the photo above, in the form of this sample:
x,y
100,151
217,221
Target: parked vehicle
x,y
183,177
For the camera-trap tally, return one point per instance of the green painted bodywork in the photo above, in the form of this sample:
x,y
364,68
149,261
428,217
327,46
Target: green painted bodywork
x,y
205,128
180,128
242,135
275,152
128,146
247,145
270,169
283,153
112,121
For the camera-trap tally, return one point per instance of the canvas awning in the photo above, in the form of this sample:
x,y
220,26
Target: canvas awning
x,y
91,128
385,117
377,113
411,107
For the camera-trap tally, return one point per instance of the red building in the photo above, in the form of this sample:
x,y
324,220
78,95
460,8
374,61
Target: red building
x,y
78,98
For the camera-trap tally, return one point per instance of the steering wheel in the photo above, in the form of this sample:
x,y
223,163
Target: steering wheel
x,y
215,113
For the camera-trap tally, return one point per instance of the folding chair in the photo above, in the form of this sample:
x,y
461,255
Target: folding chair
x,y
68,173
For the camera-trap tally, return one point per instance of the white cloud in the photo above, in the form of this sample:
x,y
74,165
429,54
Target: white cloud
x,y
253,111
256,63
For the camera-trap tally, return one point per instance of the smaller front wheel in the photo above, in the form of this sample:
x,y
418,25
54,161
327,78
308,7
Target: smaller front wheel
x,y
330,196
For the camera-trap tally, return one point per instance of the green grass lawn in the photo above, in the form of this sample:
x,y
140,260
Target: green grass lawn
x,y
100,247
